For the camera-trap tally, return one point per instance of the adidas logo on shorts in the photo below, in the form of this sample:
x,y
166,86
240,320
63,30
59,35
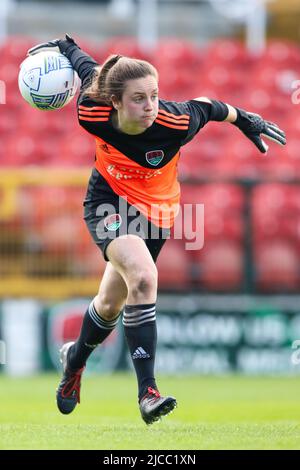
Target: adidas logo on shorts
x,y
140,353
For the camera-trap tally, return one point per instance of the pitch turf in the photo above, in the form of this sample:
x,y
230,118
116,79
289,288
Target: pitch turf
x,y
213,413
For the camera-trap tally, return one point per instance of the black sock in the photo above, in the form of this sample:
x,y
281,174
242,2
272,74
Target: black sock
x,y
94,330
140,330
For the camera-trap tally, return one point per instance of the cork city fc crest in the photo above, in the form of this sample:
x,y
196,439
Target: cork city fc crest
x,y
154,157
113,222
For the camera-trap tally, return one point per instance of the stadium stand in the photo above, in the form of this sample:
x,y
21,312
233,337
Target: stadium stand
x,y
213,169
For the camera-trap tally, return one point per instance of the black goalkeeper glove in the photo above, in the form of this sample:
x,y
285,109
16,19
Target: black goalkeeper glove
x,y
253,125
62,44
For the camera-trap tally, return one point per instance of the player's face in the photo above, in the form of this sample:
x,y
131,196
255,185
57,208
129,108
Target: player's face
x,y
139,106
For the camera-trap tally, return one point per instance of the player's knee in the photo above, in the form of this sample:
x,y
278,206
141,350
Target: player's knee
x,y
107,308
143,283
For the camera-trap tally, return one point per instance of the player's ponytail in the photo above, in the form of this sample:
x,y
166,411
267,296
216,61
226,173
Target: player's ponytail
x,y
97,89
109,79
101,82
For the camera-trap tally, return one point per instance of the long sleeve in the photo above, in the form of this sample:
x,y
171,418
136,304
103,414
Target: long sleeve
x,y
201,112
83,63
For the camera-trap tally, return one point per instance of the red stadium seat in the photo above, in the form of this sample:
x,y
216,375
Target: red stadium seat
x,y
276,212
173,266
50,150
274,79
33,121
279,53
277,267
282,170
244,160
227,51
7,122
177,51
177,79
216,196
45,123
14,101
220,266
9,73
23,150
292,150
16,47
124,45
226,84
274,226
216,225
199,157
239,148
274,198
223,211
292,121
229,227
77,149
63,122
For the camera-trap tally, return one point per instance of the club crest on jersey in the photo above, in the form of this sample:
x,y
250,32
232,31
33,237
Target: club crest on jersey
x,y
113,222
154,157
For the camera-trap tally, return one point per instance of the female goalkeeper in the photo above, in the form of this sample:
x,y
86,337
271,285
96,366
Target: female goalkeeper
x,y
138,138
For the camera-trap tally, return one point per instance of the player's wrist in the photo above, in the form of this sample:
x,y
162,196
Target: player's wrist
x,y
231,115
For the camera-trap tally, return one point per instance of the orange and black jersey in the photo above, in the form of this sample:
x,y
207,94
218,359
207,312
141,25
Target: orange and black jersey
x,y
143,167
175,125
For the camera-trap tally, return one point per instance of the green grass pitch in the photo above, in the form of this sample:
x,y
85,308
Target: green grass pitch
x,y
231,412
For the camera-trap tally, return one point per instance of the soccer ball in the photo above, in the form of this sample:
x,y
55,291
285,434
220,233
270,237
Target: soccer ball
x,y
47,80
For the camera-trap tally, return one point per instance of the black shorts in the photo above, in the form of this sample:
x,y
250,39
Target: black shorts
x,y
109,216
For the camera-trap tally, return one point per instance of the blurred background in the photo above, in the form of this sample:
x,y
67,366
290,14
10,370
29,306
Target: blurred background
x,y
232,306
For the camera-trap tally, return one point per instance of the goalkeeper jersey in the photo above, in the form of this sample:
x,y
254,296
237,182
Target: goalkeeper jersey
x,y
141,168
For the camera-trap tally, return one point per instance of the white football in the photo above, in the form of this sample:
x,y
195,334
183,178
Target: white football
x,y
47,80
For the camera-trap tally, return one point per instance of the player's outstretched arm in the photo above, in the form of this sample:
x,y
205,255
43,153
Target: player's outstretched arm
x,y
252,125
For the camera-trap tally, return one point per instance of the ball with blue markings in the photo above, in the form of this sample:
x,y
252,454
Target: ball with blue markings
x,y
47,80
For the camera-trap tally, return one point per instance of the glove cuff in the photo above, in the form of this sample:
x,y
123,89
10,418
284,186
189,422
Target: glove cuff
x,y
219,111
242,118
